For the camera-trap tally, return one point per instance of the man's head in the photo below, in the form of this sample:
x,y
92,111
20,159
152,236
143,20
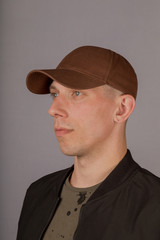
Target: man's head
x,y
94,91
88,120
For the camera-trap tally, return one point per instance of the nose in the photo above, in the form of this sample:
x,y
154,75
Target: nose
x,y
58,109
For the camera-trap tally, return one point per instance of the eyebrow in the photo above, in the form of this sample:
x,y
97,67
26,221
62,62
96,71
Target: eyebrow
x,y
53,87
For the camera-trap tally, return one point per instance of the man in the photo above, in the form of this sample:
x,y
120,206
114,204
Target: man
x,y
106,194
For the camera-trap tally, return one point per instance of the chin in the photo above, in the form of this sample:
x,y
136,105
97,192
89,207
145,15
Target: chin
x,y
71,149
67,151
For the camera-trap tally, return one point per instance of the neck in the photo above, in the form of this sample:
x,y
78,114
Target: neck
x,y
93,167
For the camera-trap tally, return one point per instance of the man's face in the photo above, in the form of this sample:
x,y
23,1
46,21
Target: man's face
x,y
83,119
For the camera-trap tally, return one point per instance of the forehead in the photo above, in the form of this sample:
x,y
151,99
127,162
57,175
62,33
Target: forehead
x,y
57,86
96,92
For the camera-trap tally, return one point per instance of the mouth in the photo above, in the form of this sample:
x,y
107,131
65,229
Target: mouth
x,y
62,131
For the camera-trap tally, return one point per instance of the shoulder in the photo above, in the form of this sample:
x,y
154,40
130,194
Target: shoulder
x,y
146,187
147,179
146,198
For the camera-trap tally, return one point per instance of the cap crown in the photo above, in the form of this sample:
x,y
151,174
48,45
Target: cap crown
x,y
103,64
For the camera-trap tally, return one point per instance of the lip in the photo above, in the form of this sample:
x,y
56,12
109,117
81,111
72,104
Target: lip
x,y
62,131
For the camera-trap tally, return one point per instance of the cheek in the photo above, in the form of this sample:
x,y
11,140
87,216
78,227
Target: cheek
x,y
103,120
93,119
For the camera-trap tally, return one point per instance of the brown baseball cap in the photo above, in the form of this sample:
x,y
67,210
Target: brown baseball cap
x,y
84,68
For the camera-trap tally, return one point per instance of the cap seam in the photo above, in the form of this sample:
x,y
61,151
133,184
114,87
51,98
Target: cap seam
x,y
83,72
109,69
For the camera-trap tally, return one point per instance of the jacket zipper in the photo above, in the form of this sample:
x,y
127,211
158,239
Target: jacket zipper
x,y
49,219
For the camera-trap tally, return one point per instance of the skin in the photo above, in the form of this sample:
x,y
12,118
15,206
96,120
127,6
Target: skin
x,y
95,122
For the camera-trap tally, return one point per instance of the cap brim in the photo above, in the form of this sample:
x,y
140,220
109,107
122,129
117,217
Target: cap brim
x,y
38,81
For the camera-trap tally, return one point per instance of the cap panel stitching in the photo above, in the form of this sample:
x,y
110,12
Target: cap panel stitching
x,y
83,72
106,77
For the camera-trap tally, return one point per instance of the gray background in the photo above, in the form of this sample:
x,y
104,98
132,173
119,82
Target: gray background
x,y
37,34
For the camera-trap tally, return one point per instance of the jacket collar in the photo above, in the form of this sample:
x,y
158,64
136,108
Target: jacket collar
x,y
120,173
126,168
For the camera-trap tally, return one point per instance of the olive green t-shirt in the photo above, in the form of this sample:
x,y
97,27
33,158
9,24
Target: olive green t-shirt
x,y
65,220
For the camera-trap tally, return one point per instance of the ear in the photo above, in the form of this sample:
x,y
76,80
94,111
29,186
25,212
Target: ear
x,y
125,106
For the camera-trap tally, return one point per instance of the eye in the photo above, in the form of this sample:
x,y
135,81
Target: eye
x,y
77,93
54,95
